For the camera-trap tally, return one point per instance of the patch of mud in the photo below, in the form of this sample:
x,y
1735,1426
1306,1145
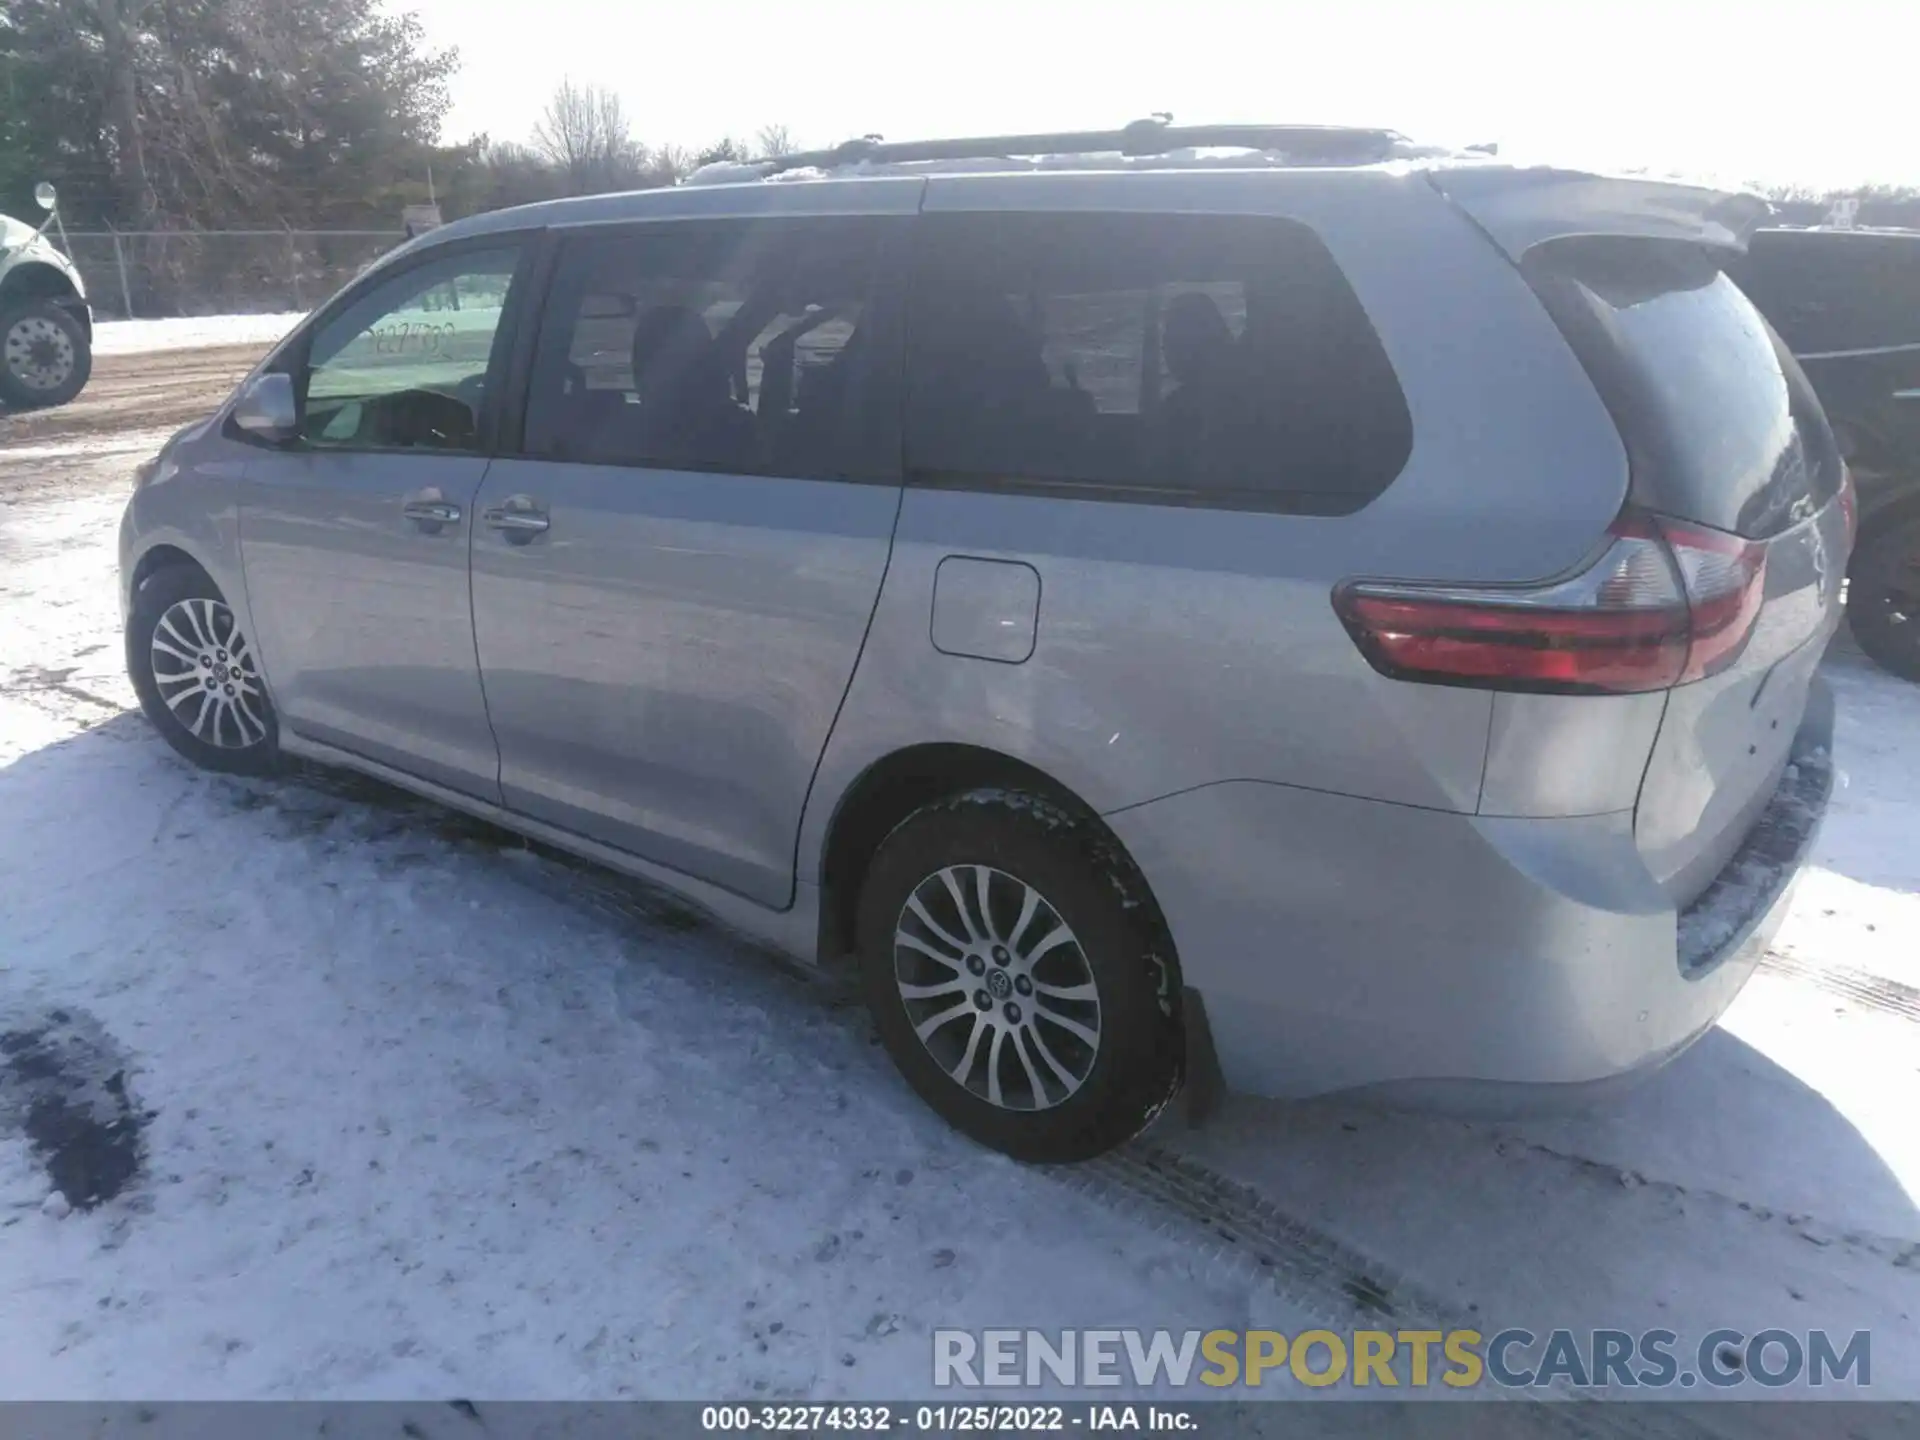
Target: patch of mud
x,y
56,681
160,390
313,802
63,1085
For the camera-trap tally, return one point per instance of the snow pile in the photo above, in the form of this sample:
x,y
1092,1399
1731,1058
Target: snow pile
x,y
136,337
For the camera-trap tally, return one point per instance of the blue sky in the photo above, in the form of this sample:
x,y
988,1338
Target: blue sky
x,y
1787,92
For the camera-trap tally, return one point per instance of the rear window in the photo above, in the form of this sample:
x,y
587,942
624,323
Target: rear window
x,y
1183,359
1720,424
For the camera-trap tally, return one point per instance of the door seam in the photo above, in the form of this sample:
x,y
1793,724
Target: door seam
x,y
904,299
806,800
473,633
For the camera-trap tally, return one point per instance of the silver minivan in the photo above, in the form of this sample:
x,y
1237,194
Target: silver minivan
x,y
1268,605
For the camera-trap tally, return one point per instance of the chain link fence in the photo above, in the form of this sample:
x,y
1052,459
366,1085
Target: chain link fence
x,y
145,275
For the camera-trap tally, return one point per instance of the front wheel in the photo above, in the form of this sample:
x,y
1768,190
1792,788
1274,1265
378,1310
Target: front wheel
x,y
1883,597
1014,979
196,675
44,355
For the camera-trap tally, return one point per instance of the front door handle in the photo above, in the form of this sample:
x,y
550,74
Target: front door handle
x,y
518,519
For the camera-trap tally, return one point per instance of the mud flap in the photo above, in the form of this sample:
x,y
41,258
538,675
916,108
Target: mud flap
x,y
1205,1085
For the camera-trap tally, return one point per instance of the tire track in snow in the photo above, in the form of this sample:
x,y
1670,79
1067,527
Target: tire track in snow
x,y
1230,1225
1177,1196
1863,987
1228,1222
1247,1232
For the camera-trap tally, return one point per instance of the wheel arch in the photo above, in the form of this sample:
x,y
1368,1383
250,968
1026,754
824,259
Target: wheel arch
x,y
1903,508
895,785
38,280
160,557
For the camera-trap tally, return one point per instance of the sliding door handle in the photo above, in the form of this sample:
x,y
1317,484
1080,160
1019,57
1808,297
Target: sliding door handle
x,y
517,519
431,512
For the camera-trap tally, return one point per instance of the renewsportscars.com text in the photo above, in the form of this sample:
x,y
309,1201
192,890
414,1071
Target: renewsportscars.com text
x,y
1411,1359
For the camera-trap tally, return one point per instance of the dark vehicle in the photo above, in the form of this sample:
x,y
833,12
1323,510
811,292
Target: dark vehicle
x,y
1847,303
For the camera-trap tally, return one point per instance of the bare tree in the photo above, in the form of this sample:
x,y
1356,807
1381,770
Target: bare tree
x,y
672,163
773,141
584,135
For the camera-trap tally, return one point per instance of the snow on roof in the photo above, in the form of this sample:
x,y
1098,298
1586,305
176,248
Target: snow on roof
x,y
1214,157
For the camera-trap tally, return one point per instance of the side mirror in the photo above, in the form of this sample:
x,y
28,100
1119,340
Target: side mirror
x,y
45,196
266,409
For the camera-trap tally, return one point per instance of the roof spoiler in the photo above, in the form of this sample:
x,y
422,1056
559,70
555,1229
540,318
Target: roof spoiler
x,y
1524,208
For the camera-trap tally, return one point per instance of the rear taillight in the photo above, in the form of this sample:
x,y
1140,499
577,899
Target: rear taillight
x,y
1664,603
1726,581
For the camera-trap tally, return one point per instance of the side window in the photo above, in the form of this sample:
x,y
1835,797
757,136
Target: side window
x,y
405,365
752,346
1189,358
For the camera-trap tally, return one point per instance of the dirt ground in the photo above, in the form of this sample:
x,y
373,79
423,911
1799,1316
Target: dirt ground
x,y
161,390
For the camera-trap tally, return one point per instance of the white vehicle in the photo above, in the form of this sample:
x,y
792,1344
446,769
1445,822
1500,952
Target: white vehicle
x,y
46,326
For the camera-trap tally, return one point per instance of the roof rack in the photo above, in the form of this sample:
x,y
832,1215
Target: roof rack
x,y
1319,144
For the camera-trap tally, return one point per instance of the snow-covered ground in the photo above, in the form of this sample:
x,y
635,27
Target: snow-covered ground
x,y
133,337
421,1113
407,1109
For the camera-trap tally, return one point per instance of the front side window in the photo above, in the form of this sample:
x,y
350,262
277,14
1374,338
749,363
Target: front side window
x,y
753,347
1188,358
405,365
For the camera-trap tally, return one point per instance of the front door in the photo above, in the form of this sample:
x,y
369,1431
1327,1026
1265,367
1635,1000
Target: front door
x,y
354,536
671,590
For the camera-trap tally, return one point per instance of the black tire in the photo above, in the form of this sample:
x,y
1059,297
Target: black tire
x,y
1027,841
235,754
1883,596
17,353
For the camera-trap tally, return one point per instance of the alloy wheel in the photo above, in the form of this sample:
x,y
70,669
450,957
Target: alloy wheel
x,y
205,673
997,987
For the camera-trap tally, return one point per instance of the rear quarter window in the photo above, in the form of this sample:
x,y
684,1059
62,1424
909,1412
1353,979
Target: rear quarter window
x,y
1218,361
1721,427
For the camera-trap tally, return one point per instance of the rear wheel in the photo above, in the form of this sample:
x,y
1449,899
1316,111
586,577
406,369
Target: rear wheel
x,y
1883,597
196,674
1014,979
44,355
